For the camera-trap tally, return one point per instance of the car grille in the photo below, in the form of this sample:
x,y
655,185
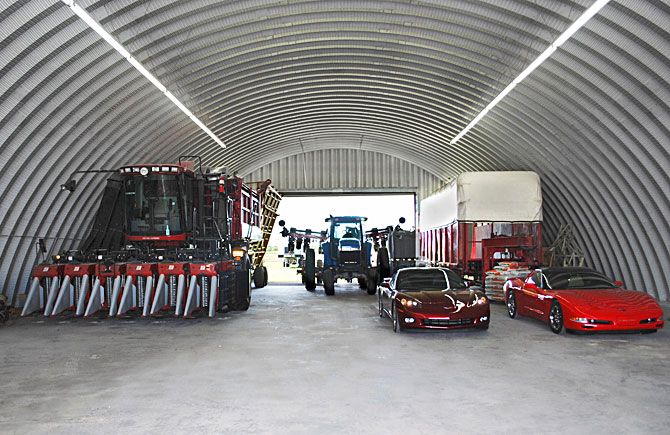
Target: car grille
x,y
447,322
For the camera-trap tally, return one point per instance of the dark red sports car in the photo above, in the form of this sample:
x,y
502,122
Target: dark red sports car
x,y
433,298
581,299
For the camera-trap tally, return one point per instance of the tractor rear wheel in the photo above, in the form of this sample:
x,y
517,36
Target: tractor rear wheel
x,y
383,263
309,273
372,281
329,282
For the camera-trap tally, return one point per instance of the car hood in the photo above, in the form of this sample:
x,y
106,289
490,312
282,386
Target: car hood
x,y
609,299
445,298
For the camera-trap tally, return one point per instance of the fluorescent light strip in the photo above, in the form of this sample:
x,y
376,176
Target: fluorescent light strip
x,y
587,15
81,12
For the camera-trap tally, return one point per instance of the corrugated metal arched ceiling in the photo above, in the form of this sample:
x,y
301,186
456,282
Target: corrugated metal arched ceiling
x,y
274,79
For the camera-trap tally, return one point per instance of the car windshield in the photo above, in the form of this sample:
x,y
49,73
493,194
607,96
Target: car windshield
x,y
577,280
455,281
418,280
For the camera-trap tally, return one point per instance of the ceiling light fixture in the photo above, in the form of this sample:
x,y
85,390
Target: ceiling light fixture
x,y
586,16
81,12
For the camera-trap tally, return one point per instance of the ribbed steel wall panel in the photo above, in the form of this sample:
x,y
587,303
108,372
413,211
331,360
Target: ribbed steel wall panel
x,y
368,92
347,170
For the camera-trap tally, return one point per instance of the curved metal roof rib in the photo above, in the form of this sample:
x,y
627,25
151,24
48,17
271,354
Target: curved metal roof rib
x,y
389,83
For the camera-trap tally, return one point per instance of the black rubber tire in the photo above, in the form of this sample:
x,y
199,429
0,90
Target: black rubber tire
x,y
362,282
242,291
511,304
328,282
372,281
394,318
383,263
555,317
309,272
260,277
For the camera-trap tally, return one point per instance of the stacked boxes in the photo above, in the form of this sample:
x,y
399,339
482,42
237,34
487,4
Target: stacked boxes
x,y
496,278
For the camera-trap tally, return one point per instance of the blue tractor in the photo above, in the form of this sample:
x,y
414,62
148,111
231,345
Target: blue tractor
x,y
346,254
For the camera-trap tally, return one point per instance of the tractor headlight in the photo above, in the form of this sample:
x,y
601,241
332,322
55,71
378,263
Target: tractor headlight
x,y
238,254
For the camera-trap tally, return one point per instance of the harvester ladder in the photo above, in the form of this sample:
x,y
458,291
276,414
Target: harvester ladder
x,y
270,199
213,229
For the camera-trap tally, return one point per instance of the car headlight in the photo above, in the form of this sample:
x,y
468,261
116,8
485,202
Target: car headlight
x,y
579,319
409,302
481,301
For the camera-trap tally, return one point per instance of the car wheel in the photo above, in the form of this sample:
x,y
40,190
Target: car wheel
x,y
396,323
556,317
511,304
381,308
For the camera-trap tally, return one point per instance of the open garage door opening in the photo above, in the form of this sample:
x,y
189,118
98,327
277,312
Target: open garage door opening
x,y
311,211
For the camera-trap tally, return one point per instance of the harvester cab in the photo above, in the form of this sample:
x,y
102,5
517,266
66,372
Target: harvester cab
x,y
191,239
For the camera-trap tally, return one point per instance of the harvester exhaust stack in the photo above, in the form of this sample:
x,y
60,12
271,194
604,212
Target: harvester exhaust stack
x,y
33,301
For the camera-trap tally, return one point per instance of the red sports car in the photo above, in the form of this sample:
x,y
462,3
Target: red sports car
x,y
433,298
581,299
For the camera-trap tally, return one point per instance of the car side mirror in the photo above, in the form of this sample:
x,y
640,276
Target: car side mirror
x,y
618,283
386,283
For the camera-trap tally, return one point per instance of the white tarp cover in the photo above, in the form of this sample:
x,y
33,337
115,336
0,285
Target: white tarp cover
x,y
500,196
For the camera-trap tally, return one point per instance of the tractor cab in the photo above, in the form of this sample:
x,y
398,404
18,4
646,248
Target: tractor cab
x,y
345,243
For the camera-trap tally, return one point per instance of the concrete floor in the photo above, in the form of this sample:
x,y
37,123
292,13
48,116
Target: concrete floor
x,y
302,363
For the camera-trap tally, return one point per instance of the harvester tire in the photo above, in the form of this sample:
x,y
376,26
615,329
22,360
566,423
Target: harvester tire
x,y
242,291
383,263
309,272
362,282
260,277
328,282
